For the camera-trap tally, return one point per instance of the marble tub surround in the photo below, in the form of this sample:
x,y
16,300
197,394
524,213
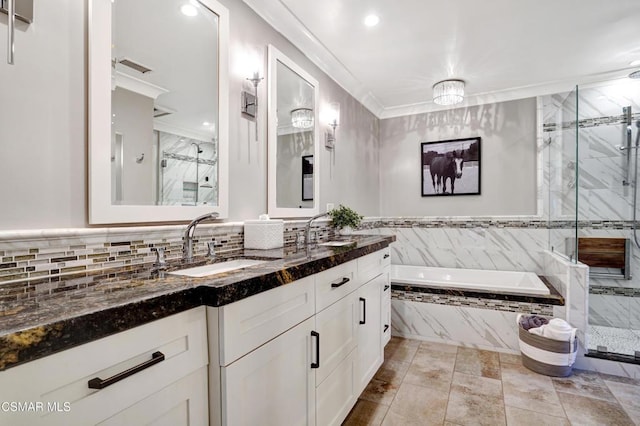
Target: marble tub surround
x,y
90,305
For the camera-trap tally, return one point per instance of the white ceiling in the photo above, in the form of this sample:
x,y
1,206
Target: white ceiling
x,y
502,49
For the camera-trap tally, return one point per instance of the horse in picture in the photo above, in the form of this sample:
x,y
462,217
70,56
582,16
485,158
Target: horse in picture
x,y
446,167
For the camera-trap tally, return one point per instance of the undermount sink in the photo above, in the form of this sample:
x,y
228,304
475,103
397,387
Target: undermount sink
x,y
217,268
337,243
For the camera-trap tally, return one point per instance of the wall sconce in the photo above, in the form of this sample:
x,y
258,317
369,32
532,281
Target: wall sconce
x,y
249,101
333,119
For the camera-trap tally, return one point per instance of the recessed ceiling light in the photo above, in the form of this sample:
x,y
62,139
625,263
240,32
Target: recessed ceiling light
x,y
371,20
188,10
206,123
634,63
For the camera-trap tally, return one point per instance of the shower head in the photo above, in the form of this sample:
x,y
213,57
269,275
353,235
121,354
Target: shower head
x,y
635,74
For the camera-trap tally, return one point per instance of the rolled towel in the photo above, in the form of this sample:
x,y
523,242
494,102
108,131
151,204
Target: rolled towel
x,y
538,330
532,321
558,329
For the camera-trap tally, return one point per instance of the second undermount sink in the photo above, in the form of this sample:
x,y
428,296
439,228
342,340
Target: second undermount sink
x,y
337,243
217,268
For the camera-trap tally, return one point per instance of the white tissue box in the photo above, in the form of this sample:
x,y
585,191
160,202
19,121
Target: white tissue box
x,y
263,234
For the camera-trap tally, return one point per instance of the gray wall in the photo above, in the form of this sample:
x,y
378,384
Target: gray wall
x,y
43,125
508,181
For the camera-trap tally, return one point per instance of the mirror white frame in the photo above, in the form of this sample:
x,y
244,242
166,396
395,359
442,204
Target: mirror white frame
x,y
273,210
101,210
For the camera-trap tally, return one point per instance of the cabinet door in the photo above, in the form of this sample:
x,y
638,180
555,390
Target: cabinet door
x,y
337,326
183,403
337,394
274,384
369,330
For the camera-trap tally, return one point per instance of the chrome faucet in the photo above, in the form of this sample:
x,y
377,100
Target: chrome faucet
x,y
307,229
187,248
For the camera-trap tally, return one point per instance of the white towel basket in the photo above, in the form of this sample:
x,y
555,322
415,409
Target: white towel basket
x,y
547,356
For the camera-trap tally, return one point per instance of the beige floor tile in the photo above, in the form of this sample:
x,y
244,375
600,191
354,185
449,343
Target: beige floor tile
x,y
633,414
585,411
380,391
584,383
399,349
619,379
520,417
627,395
510,358
366,413
433,369
478,362
417,403
395,419
392,372
525,389
469,409
475,400
476,385
439,347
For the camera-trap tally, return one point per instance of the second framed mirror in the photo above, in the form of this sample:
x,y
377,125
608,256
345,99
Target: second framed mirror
x,y
293,145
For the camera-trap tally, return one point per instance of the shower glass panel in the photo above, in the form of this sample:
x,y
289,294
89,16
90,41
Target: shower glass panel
x,y
560,135
608,112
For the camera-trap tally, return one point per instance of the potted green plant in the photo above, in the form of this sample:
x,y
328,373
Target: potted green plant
x,y
345,219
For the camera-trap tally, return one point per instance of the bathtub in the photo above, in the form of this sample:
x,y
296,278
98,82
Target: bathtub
x,y
469,279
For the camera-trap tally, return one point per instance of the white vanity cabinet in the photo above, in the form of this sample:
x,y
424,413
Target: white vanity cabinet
x,y
80,386
302,353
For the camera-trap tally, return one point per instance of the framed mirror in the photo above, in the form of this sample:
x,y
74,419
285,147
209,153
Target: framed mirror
x,y
293,145
158,110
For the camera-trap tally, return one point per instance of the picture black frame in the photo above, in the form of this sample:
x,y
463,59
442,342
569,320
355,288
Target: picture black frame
x,y
445,181
307,178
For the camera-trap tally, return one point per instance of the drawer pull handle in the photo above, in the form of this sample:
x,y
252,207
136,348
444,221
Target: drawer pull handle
x,y
341,283
386,256
317,336
386,327
98,383
386,287
364,310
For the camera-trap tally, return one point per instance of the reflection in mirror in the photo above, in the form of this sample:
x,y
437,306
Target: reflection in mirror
x,y
293,98
166,137
159,112
307,178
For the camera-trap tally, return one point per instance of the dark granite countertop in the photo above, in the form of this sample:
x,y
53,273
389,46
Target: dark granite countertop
x,y
84,307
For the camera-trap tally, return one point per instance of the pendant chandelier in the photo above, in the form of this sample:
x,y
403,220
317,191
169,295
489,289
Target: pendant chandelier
x,y
302,118
448,92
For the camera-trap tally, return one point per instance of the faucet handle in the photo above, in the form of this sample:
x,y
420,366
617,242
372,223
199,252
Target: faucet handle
x,y
160,256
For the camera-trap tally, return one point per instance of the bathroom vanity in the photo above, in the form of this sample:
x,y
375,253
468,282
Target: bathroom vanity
x,y
290,341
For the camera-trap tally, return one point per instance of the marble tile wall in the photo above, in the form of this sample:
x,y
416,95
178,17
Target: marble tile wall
x,y
468,243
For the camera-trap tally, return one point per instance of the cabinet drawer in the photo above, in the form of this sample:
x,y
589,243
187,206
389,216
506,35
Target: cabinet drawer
x,y
183,403
251,322
335,283
373,264
63,377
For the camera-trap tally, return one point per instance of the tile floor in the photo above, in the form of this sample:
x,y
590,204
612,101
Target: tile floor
x,y
422,383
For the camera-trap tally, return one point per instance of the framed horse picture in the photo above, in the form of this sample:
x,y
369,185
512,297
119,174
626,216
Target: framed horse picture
x,y
451,167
